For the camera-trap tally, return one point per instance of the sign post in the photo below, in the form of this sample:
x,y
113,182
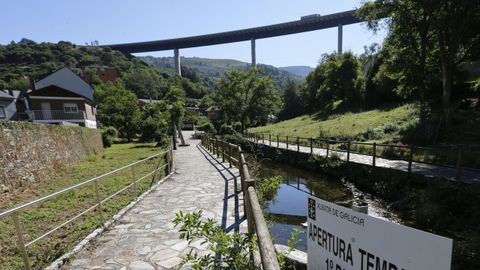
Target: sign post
x,y
342,239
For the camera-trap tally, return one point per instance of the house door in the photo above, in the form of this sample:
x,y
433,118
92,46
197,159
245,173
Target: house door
x,y
46,111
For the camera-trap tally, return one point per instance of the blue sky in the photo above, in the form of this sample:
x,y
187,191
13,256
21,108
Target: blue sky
x,y
118,21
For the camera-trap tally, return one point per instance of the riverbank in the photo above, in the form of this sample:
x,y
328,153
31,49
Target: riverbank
x,y
440,207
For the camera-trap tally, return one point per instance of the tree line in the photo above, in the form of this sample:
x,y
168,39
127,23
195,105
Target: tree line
x,y
422,59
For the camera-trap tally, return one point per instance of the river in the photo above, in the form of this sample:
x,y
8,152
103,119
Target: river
x,y
288,209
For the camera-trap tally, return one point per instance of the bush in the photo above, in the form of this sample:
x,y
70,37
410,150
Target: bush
x,y
109,134
237,126
228,250
207,127
226,130
267,188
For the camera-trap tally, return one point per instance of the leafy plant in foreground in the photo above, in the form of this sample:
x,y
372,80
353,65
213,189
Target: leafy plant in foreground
x,y
226,250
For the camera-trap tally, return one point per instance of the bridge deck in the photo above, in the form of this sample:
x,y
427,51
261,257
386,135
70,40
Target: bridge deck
x,y
145,238
449,173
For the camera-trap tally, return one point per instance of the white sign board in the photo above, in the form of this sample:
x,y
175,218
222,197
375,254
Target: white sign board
x,y
342,239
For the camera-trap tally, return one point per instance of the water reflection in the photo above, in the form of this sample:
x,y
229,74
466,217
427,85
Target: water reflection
x,y
288,209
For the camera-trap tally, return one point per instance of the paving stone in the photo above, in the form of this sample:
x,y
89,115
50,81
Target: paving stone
x,y
145,236
170,263
140,265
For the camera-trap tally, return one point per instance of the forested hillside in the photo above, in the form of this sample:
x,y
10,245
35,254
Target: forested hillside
x,y
117,102
212,69
301,71
19,61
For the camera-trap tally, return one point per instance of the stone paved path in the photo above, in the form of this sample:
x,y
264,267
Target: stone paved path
x,y
145,238
467,175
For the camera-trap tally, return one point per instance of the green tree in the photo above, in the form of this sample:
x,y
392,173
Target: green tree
x,y
425,35
145,83
292,105
176,97
118,107
155,122
247,96
333,79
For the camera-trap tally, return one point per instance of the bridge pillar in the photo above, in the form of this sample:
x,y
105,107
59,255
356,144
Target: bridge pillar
x,y
176,59
254,60
340,38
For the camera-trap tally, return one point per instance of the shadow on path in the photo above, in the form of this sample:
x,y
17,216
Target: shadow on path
x,y
230,178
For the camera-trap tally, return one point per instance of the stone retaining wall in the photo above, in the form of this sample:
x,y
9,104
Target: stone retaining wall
x,y
31,152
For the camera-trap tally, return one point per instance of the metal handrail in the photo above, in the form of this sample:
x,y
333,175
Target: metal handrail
x,y
456,161
255,219
76,186
15,210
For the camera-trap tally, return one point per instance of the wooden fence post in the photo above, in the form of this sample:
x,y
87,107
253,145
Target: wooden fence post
x,y
278,143
230,154
270,139
20,241
298,144
223,151
328,146
311,145
287,142
263,139
374,153
348,151
410,159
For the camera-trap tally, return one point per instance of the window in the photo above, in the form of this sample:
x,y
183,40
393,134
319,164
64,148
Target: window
x,y
3,115
70,107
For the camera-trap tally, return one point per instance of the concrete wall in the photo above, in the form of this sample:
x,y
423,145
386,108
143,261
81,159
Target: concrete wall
x,y
30,152
10,109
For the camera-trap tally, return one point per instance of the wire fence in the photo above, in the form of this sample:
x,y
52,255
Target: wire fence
x,y
458,157
37,232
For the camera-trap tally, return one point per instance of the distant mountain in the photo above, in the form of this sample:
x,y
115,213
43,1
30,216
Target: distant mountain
x,y
302,71
212,69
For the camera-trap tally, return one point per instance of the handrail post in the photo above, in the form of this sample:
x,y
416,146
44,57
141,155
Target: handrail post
x,y
250,218
311,146
459,163
298,144
287,142
134,180
223,151
169,169
97,196
410,159
374,153
348,151
20,242
328,147
230,154
278,143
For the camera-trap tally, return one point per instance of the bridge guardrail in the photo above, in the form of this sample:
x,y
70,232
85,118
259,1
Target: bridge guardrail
x,y
460,157
255,220
14,213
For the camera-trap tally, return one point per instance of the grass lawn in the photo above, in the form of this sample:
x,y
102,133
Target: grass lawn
x,y
46,216
352,125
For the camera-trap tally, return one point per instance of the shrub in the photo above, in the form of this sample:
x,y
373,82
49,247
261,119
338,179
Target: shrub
x,y
228,250
391,128
109,134
226,130
267,188
237,126
207,127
